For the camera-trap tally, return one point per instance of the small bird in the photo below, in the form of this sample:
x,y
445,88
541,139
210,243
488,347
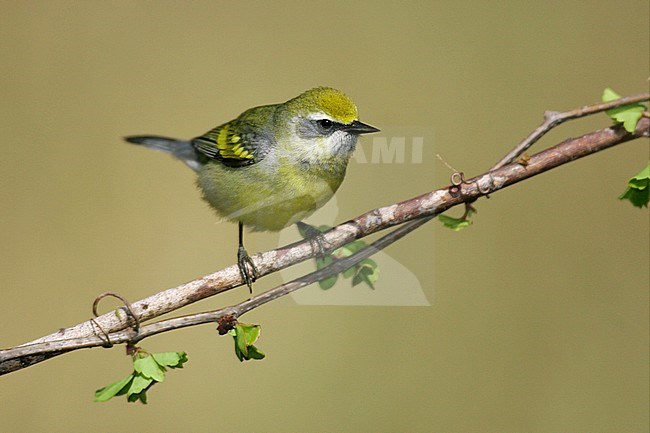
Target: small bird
x,y
274,165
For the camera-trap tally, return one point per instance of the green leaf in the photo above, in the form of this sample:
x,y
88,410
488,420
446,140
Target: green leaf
x,y
308,232
245,335
139,384
149,368
610,95
358,279
628,115
142,396
328,282
638,189
240,338
350,272
455,224
370,263
170,359
322,262
352,247
341,253
114,389
255,353
252,332
367,272
238,352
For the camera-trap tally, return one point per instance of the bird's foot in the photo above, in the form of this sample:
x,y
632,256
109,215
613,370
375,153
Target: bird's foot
x,y
247,268
314,236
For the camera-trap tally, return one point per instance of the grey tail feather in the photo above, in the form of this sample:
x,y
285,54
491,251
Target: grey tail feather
x,y
180,149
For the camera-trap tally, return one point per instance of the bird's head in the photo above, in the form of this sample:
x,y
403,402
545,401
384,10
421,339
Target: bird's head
x,y
324,125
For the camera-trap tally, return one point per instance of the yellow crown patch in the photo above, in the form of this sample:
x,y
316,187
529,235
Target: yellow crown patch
x,y
332,102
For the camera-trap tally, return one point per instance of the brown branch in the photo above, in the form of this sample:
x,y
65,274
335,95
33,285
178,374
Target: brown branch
x,y
413,212
554,118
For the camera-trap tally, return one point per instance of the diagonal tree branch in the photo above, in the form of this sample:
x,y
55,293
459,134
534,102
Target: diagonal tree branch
x,y
114,327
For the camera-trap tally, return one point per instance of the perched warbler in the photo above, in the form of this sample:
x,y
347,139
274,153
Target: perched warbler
x,y
274,165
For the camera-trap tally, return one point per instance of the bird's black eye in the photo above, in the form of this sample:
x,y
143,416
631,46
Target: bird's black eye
x,y
325,124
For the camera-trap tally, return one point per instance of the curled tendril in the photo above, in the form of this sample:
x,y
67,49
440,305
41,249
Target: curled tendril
x,y
107,342
486,189
127,307
457,178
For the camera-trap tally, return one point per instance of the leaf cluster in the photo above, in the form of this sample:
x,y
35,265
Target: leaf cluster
x,y
245,335
148,369
366,271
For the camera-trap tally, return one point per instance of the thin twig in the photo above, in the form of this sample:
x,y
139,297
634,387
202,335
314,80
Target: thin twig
x,y
554,118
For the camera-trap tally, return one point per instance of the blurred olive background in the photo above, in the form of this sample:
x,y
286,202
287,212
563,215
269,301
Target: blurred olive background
x,y
539,312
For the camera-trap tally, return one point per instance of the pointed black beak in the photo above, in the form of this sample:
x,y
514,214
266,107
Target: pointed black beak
x,y
357,127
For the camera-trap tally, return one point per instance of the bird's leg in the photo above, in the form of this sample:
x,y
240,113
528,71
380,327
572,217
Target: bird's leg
x,y
314,236
246,266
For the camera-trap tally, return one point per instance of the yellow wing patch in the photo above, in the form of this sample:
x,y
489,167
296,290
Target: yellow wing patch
x,y
224,143
230,145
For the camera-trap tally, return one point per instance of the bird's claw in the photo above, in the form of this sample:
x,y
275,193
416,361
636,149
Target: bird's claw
x,y
315,238
247,268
